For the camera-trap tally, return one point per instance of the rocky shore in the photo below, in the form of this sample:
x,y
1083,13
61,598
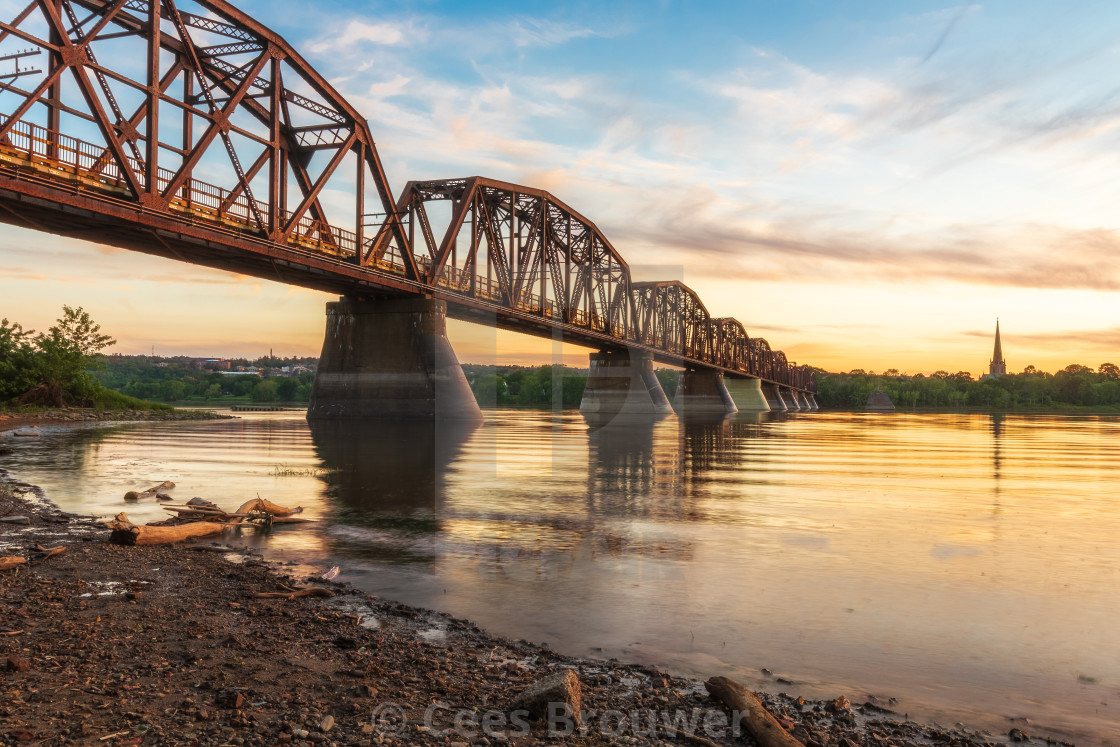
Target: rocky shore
x,y
10,420
108,645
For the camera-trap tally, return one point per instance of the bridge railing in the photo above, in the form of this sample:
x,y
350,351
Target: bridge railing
x,y
62,156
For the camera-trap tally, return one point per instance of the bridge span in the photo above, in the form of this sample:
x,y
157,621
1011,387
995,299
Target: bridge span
x,y
188,130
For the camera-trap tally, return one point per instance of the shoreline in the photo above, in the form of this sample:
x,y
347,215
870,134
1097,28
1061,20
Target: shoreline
x,y
185,680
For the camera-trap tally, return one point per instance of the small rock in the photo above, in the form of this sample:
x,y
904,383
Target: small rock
x,y
15,519
559,687
1017,735
326,724
840,705
16,664
300,733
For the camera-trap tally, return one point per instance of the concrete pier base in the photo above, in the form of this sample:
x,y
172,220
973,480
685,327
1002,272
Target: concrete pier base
x,y
880,402
792,403
812,399
621,384
702,392
747,394
390,359
774,398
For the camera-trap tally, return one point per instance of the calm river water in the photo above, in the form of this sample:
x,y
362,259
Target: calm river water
x,y
967,565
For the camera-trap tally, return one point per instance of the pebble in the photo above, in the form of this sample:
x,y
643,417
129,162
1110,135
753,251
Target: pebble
x,y
16,664
15,520
326,724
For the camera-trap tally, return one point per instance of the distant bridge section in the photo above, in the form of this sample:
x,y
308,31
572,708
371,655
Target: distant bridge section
x,y
186,129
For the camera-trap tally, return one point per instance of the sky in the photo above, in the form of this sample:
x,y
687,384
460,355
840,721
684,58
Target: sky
x,y
865,184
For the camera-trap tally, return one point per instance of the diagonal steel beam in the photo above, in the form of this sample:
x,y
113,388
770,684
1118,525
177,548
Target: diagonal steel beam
x,y
313,193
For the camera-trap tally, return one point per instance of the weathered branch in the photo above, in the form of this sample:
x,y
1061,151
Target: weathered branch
x,y
133,495
307,591
11,562
752,714
127,533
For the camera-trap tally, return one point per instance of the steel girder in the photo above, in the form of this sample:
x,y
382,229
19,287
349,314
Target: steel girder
x,y
526,250
194,112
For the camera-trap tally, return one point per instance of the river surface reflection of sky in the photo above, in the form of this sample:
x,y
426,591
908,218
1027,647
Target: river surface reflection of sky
x,y
967,565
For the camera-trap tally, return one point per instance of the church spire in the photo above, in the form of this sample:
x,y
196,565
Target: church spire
x,y
998,366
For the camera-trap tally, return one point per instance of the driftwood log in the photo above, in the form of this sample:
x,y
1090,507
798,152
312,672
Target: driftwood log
x,y
202,521
256,509
49,551
268,507
124,532
11,562
752,714
306,591
152,492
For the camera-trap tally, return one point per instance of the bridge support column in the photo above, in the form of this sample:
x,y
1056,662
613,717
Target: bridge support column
x,y
622,383
390,358
747,394
793,403
702,391
774,398
812,400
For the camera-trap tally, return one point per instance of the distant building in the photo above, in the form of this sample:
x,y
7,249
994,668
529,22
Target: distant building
x,y
998,366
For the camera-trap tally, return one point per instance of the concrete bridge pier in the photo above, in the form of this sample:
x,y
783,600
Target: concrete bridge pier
x,y
774,398
390,358
812,400
747,394
702,391
793,401
622,384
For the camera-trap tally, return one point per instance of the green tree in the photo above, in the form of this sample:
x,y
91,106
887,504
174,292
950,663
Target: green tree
x,y
66,353
244,385
286,389
17,367
266,391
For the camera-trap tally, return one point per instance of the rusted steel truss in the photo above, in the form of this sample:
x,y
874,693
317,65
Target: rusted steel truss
x,y
187,129
203,112
524,249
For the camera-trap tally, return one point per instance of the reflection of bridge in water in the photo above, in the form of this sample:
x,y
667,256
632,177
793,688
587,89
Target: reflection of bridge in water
x,y
398,490
204,137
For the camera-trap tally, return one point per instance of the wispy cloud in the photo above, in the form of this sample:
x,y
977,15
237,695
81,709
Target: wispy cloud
x,y
539,32
357,33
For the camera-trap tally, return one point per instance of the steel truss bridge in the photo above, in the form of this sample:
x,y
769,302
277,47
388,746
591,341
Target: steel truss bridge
x,y
186,129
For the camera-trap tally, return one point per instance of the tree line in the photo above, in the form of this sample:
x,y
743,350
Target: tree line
x,y
1075,385
182,380
63,366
